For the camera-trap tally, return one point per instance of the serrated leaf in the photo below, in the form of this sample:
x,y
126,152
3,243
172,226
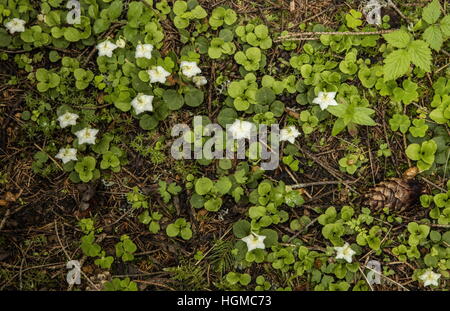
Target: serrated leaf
x,y
398,39
420,54
432,12
433,36
445,25
396,64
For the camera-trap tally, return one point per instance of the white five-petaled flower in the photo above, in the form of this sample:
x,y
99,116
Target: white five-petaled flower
x,y
254,241
67,155
106,48
289,134
325,99
144,50
190,69
199,81
345,252
86,136
120,43
241,129
67,119
142,103
15,25
158,74
430,278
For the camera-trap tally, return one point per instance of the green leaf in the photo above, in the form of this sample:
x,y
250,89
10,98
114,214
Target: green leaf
x,y
213,205
203,185
362,116
433,36
172,230
396,64
193,97
148,122
72,35
413,152
445,25
400,121
223,185
173,99
257,211
398,39
186,233
241,229
265,96
432,12
420,55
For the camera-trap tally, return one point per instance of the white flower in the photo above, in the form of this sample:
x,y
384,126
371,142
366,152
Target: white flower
x,y
16,25
199,81
106,48
67,119
289,134
190,69
144,50
254,241
158,74
67,155
430,278
241,129
86,136
325,100
345,252
142,103
121,43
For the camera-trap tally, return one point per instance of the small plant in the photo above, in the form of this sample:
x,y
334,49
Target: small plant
x,y
46,80
187,11
86,169
250,59
424,154
125,248
221,16
117,284
257,36
167,190
350,163
137,199
180,228
152,220
398,62
83,78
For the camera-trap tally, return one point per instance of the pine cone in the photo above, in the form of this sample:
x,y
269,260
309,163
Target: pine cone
x,y
396,193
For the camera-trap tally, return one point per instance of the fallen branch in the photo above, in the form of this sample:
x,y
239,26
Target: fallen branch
x,y
307,35
320,183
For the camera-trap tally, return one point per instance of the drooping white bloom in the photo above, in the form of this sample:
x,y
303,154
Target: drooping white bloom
x,y
240,129
142,103
430,278
121,43
158,74
325,99
67,155
199,81
190,69
289,134
15,25
106,48
144,50
86,136
67,119
345,252
254,241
